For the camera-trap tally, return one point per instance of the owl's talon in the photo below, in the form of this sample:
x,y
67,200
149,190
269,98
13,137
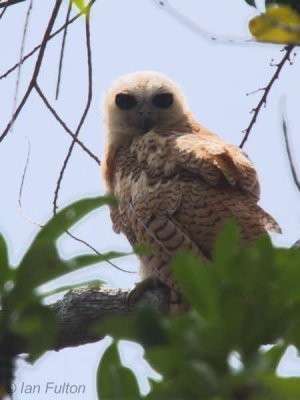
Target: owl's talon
x,y
136,293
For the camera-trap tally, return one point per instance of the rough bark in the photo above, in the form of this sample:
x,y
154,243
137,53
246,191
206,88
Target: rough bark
x,y
80,308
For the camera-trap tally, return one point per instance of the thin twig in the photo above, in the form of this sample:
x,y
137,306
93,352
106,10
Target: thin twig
x,y
36,48
266,90
24,174
67,232
75,139
21,56
64,125
63,44
22,186
85,112
36,68
97,252
195,27
3,12
289,153
10,3
6,5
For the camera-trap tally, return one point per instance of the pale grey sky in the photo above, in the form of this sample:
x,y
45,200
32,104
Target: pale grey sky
x,y
128,36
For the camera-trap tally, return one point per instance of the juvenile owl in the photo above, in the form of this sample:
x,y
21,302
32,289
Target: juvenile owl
x,y
176,182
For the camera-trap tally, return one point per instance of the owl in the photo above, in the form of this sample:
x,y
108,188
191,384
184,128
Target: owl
x,y
176,182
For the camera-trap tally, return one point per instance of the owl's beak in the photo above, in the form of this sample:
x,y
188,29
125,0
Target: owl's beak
x,y
147,122
145,117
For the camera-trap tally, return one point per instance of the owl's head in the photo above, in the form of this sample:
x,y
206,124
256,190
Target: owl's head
x,y
142,101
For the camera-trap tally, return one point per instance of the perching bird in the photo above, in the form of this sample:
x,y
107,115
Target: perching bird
x,y
176,182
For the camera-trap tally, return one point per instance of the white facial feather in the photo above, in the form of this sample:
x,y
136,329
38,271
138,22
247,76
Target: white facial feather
x,y
143,86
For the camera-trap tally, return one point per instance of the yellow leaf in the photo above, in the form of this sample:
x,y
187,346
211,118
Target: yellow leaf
x,y
80,4
279,24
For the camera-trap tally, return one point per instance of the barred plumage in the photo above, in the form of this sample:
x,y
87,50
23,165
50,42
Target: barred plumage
x,y
176,182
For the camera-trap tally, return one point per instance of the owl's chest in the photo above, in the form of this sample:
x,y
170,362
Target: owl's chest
x,y
143,170
146,160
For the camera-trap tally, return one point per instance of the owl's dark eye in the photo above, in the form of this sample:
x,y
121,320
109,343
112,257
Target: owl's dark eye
x,y
163,100
125,101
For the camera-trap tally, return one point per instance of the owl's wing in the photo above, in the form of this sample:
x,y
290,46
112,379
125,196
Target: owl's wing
x,y
223,165
214,160
186,210
164,237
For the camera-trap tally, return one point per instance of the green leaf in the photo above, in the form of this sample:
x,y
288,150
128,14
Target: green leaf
x,y
41,262
195,279
149,327
4,263
267,361
166,360
114,381
275,388
70,215
142,249
273,356
94,282
227,244
145,327
251,3
248,296
119,327
38,326
89,259
184,376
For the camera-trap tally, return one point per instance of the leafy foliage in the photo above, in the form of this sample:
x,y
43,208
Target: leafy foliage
x,y
245,298
280,23
24,320
116,381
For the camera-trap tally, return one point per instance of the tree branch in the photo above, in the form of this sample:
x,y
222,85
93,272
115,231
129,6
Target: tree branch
x,y
81,308
62,49
189,23
36,48
36,69
84,114
64,125
266,90
10,3
289,154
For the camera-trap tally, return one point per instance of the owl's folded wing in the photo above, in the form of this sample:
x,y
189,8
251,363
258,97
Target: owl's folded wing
x,y
209,156
223,165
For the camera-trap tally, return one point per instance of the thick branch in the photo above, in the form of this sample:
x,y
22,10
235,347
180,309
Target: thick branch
x,y
80,308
